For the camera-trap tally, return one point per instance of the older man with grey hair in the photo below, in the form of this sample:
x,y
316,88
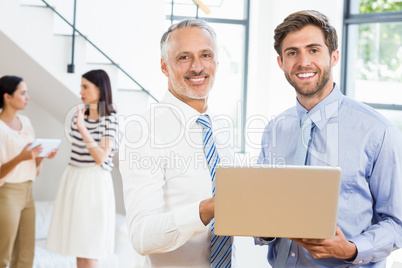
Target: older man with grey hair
x,y
169,178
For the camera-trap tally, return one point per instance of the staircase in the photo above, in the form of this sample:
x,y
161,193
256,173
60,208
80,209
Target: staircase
x,y
36,45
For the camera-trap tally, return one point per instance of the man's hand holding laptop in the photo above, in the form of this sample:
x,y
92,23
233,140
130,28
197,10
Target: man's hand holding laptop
x,y
338,247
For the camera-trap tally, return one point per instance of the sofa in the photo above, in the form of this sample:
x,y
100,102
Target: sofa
x,y
124,256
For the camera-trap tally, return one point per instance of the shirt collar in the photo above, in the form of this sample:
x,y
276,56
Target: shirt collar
x,y
187,112
324,110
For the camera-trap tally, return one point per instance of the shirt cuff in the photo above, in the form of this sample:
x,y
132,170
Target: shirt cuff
x,y
188,219
364,249
261,241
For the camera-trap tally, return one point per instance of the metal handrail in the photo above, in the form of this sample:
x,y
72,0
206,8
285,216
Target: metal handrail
x,y
99,50
71,67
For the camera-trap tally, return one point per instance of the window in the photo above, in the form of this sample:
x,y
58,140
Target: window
x,y
230,20
372,61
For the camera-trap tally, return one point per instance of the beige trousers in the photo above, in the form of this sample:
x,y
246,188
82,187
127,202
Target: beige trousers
x,y
17,225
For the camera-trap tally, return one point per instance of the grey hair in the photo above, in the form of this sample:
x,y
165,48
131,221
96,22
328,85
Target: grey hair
x,y
186,23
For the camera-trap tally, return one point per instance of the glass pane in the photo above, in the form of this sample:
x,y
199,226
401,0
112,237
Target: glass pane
x,y
227,94
374,6
185,8
394,116
222,9
374,69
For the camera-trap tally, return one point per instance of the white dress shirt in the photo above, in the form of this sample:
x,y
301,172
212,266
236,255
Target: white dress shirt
x,y
165,177
12,143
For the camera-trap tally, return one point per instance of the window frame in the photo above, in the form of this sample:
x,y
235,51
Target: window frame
x,y
353,19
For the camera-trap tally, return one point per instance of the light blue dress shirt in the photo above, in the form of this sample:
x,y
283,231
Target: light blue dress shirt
x,y
368,148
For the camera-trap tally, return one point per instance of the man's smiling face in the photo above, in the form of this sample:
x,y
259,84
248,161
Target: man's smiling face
x,y
306,61
191,63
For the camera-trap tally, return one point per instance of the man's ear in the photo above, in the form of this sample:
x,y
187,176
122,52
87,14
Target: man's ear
x,y
279,60
334,58
164,68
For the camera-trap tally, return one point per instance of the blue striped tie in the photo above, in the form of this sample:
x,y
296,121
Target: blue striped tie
x,y
300,159
221,246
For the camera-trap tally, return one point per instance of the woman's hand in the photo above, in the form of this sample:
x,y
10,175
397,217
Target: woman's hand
x,y
24,155
27,154
52,154
80,118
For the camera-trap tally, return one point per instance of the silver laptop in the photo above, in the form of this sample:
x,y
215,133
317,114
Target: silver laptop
x,y
267,201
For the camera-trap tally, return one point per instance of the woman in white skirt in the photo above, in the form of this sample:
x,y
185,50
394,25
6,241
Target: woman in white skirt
x,y
84,213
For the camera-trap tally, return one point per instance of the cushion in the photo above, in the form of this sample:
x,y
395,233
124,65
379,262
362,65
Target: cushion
x,y
48,259
43,216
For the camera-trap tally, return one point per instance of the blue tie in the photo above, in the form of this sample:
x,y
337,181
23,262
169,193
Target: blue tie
x,y
221,246
303,142
300,160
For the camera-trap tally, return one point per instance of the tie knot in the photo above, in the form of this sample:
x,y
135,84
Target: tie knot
x,y
305,121
204,121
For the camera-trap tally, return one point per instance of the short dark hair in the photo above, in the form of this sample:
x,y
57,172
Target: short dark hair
x,y
100,79
298,20
8,84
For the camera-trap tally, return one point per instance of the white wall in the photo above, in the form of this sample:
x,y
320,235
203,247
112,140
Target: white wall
x,y
46,126
127,31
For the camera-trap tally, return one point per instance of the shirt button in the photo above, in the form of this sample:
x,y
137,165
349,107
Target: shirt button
x,y
360,262
293,255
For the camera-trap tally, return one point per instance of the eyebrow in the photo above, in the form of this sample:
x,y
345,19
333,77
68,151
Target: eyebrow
x,y
310,45
206,50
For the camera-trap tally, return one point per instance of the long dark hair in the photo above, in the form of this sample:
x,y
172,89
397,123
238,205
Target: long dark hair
x,y
8,84
100,79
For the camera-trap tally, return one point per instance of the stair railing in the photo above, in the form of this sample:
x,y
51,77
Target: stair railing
x,y
70,67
